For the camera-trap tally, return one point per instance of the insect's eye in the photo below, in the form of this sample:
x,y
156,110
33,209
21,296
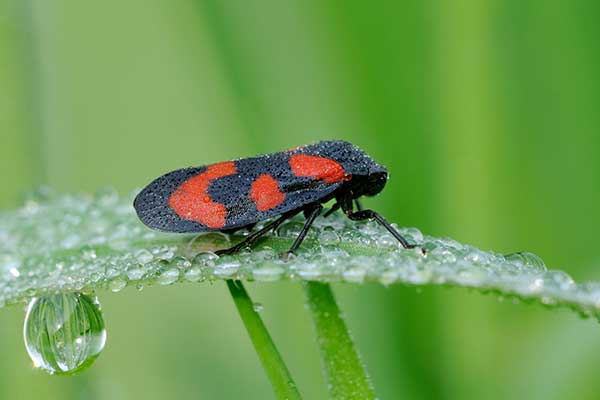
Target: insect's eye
x,y
376,182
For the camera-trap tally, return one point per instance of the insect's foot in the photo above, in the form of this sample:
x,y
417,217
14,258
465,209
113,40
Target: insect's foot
x,y
226,252
286,255
414,246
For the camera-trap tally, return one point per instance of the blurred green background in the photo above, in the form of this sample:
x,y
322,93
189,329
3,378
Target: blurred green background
x,y
484,111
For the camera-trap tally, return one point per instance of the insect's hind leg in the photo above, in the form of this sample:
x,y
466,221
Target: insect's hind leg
x,y
311,213
252,238
370,214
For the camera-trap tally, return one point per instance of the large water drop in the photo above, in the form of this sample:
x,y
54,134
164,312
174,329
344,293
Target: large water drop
x,y
64,333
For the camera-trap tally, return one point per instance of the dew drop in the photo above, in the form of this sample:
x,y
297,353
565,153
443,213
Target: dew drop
x,y
168,276
135,273
526,259
560,279
226,269
329,235
355,274
193,274
257,307
414,233
268,272
205,258
88,253
290,229
386,240
117,284
144,256
64,333
181,262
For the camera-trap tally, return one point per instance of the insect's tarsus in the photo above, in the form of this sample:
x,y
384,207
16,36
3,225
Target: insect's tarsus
x,y
361,215
258,234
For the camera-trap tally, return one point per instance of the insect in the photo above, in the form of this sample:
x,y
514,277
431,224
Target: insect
x,y
237,194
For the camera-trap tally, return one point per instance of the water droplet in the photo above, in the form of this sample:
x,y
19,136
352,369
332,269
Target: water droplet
x,y
181,262
168,276
268,272
257,307
290,229
329,235
135,273
526,259
355,274
144,256
386,240
205,258
193,274
560,278
88,253
117,284
414,233
64,333
226,269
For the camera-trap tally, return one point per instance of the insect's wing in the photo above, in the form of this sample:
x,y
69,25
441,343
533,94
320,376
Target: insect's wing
x,y
265,187
238,193
151,204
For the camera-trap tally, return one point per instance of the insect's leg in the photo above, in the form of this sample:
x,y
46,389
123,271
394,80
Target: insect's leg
x,y
333,209
258,234
359,206
311,214
370,214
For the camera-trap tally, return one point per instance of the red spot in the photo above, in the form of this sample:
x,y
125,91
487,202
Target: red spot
x,y
265,193
318,167
191,200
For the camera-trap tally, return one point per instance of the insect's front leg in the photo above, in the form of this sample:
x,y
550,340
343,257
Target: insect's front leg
x,y
370,214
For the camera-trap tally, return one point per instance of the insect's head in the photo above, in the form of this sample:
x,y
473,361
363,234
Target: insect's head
x,y
375,182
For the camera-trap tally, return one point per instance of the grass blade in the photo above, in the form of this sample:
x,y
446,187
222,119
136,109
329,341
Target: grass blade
x,y
271,360
345,374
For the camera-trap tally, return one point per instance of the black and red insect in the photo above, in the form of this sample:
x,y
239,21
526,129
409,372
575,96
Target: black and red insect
x,y
237,194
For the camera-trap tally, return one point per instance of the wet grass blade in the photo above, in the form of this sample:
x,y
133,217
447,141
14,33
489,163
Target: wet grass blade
x,y
59,244
345,374
279,376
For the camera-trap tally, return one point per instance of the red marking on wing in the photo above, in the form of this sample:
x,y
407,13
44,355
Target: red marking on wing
x,y
265,193
191,200
317,167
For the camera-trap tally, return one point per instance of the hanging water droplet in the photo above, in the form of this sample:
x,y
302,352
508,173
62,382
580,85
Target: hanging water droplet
x,y
257,307
117,284
64,333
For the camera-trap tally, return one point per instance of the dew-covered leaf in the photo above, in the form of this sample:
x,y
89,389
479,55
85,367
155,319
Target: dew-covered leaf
x,y
59,244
